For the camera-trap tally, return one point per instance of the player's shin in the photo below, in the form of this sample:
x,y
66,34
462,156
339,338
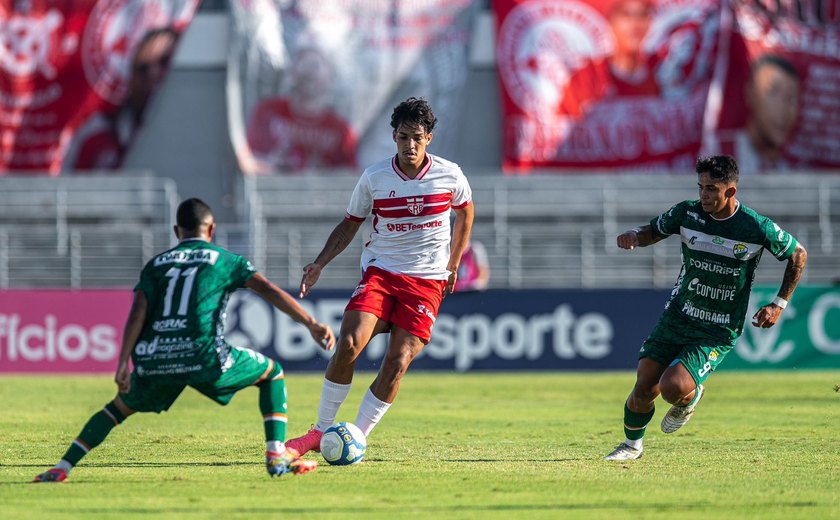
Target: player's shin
x,y
273,407
94,432
370,412
635,424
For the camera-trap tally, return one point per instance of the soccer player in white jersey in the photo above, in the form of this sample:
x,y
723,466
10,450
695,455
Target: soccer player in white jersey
x,y
408,265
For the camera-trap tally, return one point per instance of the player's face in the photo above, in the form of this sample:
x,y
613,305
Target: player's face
x,y
773,98
149,67
630,21
411,144
715,195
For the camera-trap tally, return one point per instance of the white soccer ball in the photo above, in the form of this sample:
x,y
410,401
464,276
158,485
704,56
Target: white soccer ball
x,y
343,444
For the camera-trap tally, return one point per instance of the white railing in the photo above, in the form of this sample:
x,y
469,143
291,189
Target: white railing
x,y
540,232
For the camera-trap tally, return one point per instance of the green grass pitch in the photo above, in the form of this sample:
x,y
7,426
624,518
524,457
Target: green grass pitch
x,y
761,445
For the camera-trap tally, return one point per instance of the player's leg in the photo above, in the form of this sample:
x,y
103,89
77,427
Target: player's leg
x,y
93,433
402,350
357,329
145,395
639,409
247,368
412,317
682,383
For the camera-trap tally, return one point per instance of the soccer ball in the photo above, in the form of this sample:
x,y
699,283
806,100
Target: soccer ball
x,y
343,444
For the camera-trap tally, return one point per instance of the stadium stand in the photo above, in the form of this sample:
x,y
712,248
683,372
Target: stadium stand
x,y
91,231
548,231
540,231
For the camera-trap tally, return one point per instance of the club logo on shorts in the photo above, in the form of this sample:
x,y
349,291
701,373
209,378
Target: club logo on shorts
x,y
415,205
423,310
358,290
739,250
713,355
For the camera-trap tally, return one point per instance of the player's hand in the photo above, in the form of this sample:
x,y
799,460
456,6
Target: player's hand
x,y
123,377
450,283
628,240
767,316
322,334
311,273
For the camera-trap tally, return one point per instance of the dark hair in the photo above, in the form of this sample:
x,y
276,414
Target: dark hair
x,y
192,213
415,112
721,168
777,61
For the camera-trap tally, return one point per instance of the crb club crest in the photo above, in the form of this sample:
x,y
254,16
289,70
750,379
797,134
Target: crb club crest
x,y
414,205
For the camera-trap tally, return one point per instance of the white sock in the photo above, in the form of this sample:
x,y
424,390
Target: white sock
x,y
332,395
63,464
635,444
370,412
275,446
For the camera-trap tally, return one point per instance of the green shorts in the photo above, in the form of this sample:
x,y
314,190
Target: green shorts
x,y
157,393
676,339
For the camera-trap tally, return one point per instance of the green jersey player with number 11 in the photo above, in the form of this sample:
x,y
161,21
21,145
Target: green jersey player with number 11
x,y
173,336
722,242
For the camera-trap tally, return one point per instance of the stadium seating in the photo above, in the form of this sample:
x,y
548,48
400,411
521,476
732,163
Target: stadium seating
x,y
543,231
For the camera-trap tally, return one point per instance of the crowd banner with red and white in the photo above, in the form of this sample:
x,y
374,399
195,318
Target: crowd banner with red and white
x,y
76,76
311,85
605,83
779,107
650,84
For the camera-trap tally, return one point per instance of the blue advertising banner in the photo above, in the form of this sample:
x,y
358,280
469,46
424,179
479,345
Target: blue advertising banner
x,y
492,330
547,330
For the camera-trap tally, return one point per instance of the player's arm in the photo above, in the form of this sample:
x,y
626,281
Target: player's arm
x,y
338,241
768,315
283,301
461,230
638,237
131,333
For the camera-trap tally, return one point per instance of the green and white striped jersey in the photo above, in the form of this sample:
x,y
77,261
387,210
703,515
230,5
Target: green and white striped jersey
x,y
187,289
719,262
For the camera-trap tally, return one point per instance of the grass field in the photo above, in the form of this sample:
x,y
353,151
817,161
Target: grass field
x,y
762,445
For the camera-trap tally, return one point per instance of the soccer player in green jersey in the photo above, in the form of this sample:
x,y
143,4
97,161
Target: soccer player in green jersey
x,y
173,337
722,242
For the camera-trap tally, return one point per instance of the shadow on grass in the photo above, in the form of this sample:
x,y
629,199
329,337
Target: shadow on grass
x,y
449,509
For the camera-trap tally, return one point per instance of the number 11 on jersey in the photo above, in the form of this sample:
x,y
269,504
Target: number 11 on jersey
x,y
184,300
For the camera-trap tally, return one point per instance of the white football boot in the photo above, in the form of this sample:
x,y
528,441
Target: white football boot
x,y
625,452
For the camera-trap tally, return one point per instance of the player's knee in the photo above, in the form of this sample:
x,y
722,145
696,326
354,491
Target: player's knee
x,y
644,393
396,364
674,391
117,405
349,348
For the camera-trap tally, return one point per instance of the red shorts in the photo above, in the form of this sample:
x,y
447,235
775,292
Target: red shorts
x,y
409,303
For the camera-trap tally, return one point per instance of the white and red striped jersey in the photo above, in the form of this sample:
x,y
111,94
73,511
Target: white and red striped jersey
x,y
411,231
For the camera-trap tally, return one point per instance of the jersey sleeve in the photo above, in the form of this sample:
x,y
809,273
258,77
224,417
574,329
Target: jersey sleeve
x,y
361,202
145,283
779,242
242,271
462,195
669,222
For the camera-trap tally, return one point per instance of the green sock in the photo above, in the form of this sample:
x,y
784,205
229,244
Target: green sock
x,y
273,404
635,423
94,432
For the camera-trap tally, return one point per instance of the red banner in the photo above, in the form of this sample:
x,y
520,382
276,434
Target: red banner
x,y
605,83
61,331
76,76
780,107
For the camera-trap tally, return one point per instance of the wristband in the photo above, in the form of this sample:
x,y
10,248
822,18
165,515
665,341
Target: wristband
x,y
780,302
